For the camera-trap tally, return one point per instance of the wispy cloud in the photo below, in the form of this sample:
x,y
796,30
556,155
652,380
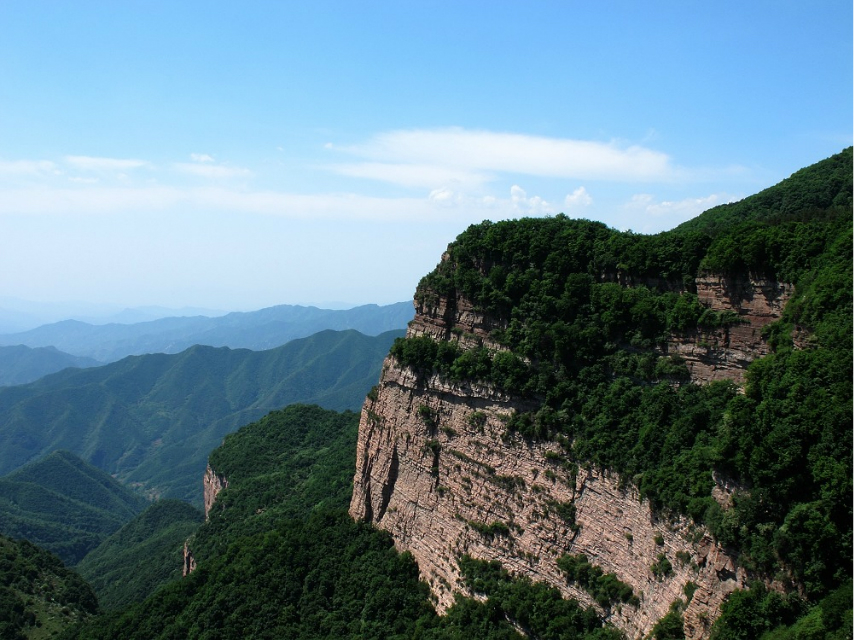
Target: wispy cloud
x,y
211,171
463,176
644,211
90,163
414,175
26,167
115,200
461,153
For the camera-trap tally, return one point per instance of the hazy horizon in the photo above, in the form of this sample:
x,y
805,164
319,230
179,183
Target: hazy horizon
x,y
237,156
17,315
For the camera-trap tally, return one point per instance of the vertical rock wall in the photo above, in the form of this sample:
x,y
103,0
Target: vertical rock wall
x,y
435,469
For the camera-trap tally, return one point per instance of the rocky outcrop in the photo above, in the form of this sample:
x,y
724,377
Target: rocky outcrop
x,y
725,353
212,483
189,560
435,468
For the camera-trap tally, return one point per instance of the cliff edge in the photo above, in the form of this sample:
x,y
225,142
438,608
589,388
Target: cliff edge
x,y
437,468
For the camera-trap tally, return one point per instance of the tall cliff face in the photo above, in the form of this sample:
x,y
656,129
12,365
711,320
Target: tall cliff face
x,y
436,469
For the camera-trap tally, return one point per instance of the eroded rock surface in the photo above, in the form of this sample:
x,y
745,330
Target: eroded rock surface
x,y
724,354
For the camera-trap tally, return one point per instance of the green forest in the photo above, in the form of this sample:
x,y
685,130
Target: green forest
x,y
585,313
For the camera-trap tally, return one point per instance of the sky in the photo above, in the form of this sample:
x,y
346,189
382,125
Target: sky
x,y
238,155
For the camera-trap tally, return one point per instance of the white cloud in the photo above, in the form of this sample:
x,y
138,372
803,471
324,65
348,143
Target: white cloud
x,y
486,153
441,195
578,198
440,206
90,163
687,208
529,206
202,157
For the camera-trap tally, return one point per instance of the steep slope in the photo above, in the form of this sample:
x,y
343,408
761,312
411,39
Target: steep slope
x,y
142,556
540,409
256,330
20,364
38,595
64,505
152,420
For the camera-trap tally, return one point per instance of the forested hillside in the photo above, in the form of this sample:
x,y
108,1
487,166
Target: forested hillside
x,y
279,558
64,505
143,555
20,364
39,597
152,420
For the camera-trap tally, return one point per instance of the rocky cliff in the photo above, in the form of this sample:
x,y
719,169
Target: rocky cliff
x,y
436,468
212,484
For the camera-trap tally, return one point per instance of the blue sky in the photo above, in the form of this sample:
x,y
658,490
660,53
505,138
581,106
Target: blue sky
x,y
237,155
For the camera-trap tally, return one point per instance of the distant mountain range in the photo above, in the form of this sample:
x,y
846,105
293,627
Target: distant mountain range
x,y
20,364
256,330
152,420
18,315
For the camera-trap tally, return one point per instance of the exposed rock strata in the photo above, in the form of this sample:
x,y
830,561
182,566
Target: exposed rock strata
x,y
435,483
433,469
212,484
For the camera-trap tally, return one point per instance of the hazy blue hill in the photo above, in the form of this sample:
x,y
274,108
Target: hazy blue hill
x,y
152,420
64,505
257,330
20,364
144,554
